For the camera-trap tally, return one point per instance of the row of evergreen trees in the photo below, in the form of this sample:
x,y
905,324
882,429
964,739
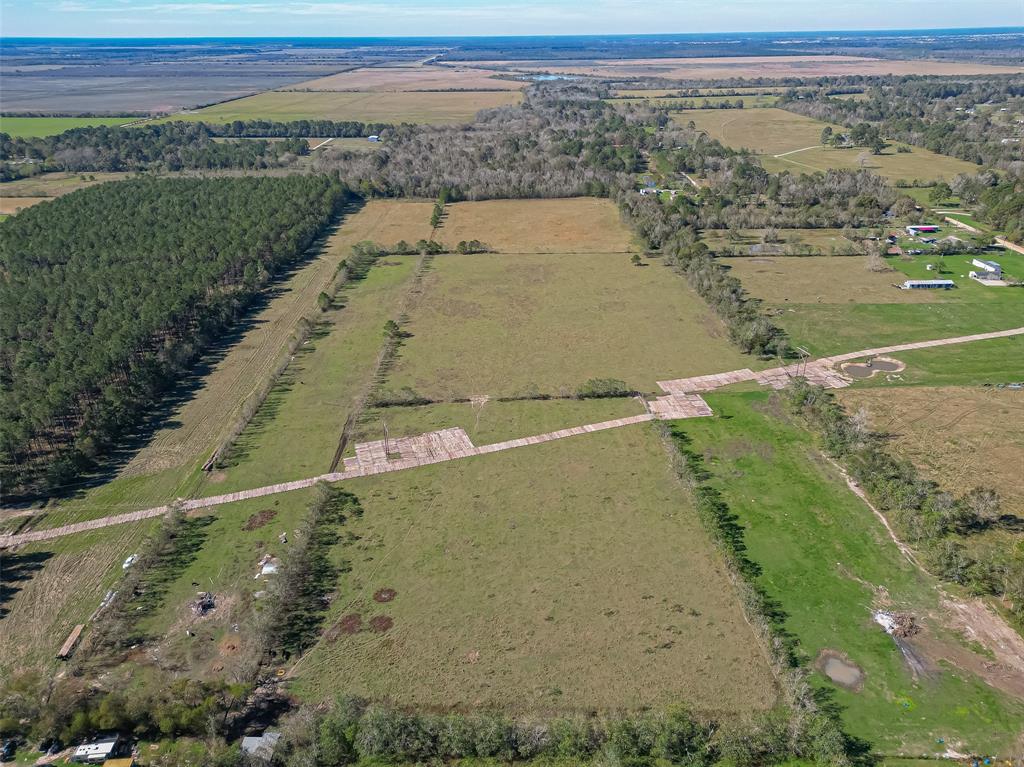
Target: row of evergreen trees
x,y
111,292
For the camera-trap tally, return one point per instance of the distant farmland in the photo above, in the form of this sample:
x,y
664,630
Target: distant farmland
x,y
434,108
28,127
791,142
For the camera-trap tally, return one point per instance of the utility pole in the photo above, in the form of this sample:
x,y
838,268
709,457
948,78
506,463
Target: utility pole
x,y
387,439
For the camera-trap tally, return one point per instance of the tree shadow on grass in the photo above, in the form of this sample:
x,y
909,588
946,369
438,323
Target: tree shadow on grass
x,y
18,568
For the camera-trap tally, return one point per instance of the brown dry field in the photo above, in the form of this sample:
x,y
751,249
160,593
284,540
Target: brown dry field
x,y
959,437
10,205
199,422
756,66
572,575
569,225
821,280
75,574
409,79
53,184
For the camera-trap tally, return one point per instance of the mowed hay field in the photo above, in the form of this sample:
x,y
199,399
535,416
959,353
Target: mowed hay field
x,y
958,437
829,316
570,225
772,132
432,108
830,563
572,575
54,184
11,205
422,78
754,66
509,324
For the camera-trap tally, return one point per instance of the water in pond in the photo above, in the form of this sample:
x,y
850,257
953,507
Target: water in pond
x,y
842,672
866,371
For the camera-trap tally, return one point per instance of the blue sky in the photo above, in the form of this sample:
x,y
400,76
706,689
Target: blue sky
x,y
169,18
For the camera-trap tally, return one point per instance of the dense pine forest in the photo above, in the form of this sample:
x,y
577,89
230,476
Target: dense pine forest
x,y
109,294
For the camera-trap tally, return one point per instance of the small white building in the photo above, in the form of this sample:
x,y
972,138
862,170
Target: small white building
x,y
987,271
919,229
927,285
100,750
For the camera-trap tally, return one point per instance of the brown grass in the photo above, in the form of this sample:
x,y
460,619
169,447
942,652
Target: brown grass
x,y
757,66
10,205
574,225
410,79
957,436
820,280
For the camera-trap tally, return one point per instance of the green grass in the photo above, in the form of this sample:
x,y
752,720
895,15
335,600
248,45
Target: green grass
x,y
572,575
296,432
771,132
999,360
510,323
969,308
792,241
32,127
826,559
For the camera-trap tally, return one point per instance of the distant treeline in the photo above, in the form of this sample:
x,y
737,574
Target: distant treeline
x,y
110,293
169,146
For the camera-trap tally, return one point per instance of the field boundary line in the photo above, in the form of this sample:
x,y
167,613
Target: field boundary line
x,y
769,377
794,151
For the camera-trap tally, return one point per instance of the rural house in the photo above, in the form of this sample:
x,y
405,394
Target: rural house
x,y
105,747
987,270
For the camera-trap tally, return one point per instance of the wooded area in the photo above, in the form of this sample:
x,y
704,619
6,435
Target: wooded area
x,y
111,292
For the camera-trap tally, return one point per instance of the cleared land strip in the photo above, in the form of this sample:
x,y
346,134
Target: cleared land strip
x,y
446,445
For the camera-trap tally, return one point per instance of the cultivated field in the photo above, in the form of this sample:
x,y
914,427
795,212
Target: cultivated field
x,y
824,242
573,225
792,142
833,317
572,575
513,323
27,127
959,437
411,78
753,66
389,107
830,563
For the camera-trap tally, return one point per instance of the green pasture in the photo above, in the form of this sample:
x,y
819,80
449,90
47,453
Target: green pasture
x,y
34,127
829,563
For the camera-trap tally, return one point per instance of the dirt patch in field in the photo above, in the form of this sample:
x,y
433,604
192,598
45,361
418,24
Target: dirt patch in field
x,y
381,623
840,669
259,519
346,626
384,595
11,205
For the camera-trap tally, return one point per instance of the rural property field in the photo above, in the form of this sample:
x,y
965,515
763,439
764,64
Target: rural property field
x,y
794,242
828,316
27,127
506,324
573,575
788,141
431,107
753,66
830,563
570,225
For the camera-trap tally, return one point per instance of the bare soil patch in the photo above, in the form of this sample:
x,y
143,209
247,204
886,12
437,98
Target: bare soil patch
x,y
840,669
259,519
381,623
384,595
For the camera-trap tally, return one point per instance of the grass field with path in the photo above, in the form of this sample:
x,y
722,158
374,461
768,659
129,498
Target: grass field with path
x,y
31,127
504,324
558,225
569,576
432,108
770,132
829,563
53,184
412,79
